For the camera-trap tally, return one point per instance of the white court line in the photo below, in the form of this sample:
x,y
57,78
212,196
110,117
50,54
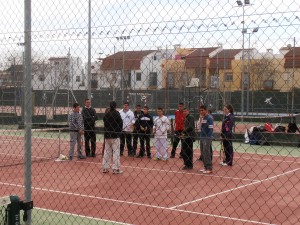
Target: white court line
x,y
176,172
233,189
139,204
145,168
82,216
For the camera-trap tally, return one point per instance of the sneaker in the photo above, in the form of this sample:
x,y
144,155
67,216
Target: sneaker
x,y
105,171
81,157
155,158
223,164
165,160
202,170
70,157
118,171
207,171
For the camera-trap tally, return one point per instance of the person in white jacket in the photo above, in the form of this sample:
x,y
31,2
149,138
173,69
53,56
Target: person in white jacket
x,y
160,131
128,121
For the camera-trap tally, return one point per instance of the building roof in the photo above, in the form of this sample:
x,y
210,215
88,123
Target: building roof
x,y
198,57
132,60
292,59
223,59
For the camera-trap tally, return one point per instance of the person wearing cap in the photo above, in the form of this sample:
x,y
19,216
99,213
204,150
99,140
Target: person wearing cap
x,y
113,125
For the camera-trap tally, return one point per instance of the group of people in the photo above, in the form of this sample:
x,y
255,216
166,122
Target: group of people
x,y
128,127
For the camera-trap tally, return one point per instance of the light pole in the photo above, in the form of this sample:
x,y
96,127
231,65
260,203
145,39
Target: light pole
x,y
248,67
123,64
240,4
218,77
22,44
200,75
89,66
293,79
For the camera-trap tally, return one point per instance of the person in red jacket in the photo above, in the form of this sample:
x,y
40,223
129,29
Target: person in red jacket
x,y
178,128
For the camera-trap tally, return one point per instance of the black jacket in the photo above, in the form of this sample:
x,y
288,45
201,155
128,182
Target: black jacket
x,y
146,122
89,118
136,123
113,124
189,127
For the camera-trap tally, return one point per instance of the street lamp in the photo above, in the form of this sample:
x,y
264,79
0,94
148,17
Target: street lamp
x,y
240,4
248,68
123,64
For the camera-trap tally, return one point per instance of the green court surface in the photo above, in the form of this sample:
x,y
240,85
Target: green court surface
x,y
48,217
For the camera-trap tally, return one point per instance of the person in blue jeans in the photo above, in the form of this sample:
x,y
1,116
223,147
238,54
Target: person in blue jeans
x,y
226,135
206,134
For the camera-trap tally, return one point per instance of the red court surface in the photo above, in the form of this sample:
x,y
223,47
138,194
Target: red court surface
x,y
258,189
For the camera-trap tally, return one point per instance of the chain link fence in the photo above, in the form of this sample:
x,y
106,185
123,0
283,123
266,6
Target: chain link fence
x,y
243,54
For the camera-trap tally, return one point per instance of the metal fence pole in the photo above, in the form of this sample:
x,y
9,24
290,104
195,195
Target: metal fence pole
x,y
28,105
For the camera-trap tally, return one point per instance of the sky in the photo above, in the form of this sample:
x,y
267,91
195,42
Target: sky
x,y
60,26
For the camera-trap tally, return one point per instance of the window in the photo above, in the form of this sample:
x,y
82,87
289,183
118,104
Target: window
x,y
171,80
214,81
77,78
268,84
185,79
228,77
153,79
138,76
41,77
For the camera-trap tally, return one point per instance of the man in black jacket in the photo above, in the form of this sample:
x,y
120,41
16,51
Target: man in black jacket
x,y
188,137
137,134
113,125
89,118
145,122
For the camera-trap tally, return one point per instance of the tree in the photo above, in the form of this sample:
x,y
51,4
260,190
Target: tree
x,y
262,71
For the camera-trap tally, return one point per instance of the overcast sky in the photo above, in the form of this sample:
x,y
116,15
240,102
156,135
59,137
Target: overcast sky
x,y
60,25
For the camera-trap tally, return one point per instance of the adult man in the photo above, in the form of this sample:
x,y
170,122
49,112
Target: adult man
x,y
76,130
136,127
89,118
146,123
160,131
206,134
188,138
178,126
128,121
113,125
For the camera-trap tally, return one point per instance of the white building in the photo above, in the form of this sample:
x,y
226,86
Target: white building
x,y
58,73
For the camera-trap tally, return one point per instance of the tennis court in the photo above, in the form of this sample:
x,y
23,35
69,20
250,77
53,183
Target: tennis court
x,y
261,188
